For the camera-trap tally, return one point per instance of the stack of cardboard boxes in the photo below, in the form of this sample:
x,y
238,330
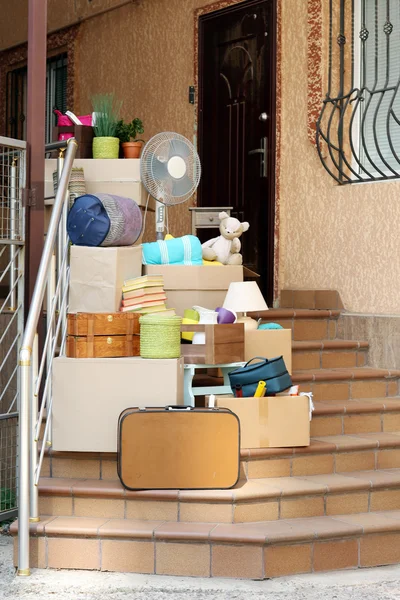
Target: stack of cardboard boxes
x,y
90,393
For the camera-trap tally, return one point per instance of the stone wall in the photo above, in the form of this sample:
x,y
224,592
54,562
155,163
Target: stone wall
x,y
381,331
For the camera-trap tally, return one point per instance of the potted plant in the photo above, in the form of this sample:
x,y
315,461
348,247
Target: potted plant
x,y
106,112
127,132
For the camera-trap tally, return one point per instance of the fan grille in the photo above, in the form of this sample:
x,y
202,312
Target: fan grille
x,y
155,176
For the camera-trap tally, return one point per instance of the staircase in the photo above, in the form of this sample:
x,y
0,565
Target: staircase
x,y
333,505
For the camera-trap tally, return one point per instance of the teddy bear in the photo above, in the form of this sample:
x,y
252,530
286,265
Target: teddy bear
x,y
226,247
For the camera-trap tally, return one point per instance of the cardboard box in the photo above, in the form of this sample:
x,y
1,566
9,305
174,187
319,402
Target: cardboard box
x,y
188,286
270,422
89,394
111,176
269,343
97,276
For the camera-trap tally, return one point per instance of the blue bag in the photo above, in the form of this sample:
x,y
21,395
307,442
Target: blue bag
x,y
272,371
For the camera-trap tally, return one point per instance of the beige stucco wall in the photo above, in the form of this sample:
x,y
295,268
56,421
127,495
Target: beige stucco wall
x,y
340,237
330,237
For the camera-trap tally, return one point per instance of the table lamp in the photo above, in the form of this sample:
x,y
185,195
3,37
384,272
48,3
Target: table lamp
x,y
244,297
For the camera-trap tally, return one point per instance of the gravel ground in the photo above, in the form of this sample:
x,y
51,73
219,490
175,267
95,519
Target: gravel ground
x,y
366,584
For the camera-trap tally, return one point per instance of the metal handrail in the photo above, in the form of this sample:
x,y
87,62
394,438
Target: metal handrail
x,y
26,354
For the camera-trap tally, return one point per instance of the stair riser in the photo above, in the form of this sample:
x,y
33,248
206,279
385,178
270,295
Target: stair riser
x,y
308,329
196,559
349,390
353,424
311,299
256,510
319,464
317,359
283,466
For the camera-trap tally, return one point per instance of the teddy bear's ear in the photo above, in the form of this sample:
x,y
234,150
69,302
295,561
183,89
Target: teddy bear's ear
x,y
223,215
245,225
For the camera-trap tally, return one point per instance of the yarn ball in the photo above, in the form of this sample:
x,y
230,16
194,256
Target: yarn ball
x,y
225,316
270,326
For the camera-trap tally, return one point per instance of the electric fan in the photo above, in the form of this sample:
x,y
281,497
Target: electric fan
x,y
170,171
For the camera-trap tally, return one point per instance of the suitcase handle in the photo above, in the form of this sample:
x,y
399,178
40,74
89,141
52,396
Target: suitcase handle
x,y
178,408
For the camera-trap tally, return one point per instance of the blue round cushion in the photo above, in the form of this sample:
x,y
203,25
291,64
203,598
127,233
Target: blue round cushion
x,y
88,222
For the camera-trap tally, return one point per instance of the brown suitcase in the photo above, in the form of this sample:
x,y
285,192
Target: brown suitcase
x,y
103,335
178,448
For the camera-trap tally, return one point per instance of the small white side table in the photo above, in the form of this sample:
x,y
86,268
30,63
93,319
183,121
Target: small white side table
x,y
189,371
206,217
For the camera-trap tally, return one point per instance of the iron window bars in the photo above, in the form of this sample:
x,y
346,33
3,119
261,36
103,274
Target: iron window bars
x,y
358,130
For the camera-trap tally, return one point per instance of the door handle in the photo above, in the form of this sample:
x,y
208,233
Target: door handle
x,y
264,155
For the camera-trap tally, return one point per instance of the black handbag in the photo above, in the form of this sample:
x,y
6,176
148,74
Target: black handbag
x,y
273,371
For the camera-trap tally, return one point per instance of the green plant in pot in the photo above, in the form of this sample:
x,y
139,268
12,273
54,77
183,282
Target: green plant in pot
x,y
106,113
127,132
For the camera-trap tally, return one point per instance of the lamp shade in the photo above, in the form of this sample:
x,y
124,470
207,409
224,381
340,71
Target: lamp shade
x,y
244,296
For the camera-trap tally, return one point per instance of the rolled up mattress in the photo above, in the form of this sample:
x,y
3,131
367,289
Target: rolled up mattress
x,y
104,220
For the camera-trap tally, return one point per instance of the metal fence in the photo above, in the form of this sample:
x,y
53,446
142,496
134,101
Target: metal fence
x,y
12,237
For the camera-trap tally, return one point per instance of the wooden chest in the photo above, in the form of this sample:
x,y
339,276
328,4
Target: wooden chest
x,y
103,335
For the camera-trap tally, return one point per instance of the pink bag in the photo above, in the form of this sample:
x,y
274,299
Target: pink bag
x,y
64,121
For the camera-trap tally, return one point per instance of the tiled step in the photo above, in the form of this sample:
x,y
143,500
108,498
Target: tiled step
x,y
325,299
336,384
345,384
252,551
267,499
305,324
356,416
326,454
328,354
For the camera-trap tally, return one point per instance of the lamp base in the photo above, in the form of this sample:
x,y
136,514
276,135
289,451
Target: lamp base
x,y
249,323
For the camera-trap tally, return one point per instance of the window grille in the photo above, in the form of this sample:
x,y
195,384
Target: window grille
x,y
16,97
358,130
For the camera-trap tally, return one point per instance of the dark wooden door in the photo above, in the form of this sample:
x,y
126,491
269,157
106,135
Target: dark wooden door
x,y
237,57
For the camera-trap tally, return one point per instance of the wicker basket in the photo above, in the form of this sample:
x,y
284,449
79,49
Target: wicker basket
x,y
160,337
76,186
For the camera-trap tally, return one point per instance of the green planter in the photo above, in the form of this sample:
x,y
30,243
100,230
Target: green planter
x,y
105,147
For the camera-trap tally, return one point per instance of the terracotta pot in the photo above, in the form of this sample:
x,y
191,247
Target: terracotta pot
x,y
132,149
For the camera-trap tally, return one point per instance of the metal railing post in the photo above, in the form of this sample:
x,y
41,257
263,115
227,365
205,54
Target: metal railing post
x,y
60,165
13,215
34,492
51,291
64,279
23,504
26,356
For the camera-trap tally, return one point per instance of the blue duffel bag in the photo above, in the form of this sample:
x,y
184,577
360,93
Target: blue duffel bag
x,y
272,371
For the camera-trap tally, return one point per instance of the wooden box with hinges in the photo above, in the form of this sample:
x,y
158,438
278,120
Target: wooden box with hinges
x,y
103,335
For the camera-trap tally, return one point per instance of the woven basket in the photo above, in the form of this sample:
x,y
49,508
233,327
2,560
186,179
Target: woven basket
x,y
160,337
105,147
76,186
